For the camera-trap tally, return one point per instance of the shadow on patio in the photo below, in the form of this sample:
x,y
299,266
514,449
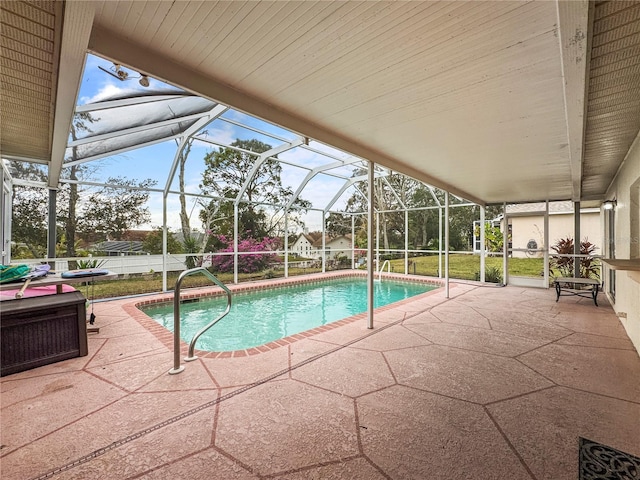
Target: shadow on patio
x,y
495,383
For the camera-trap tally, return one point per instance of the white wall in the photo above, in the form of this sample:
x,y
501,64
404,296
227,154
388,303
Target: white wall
x,y
340,246
560,226
626,190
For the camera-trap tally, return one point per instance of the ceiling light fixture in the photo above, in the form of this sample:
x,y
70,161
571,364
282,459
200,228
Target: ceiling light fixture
x,y
609,204
144,80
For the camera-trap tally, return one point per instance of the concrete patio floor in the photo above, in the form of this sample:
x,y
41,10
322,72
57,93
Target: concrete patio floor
x,y
493,383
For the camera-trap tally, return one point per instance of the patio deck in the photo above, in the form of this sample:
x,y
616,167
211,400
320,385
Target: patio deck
x,y
494,383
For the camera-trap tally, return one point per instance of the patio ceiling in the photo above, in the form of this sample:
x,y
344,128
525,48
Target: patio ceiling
x,y
485,99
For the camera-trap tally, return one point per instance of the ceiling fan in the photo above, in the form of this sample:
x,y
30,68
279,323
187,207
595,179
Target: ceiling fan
x,y
119,73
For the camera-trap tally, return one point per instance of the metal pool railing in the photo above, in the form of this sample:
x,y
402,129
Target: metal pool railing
x,y
388,264
177,368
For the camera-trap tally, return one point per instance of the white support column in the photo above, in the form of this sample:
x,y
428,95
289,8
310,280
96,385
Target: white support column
x,y
505,246
482,244
286,244
377,241
546,245
235,243
576,239
164,243
324,244
6,209
353,242
51,224
370,285
446,244
406,241
440,242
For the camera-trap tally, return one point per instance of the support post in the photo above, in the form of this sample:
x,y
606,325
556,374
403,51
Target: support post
x,y
165,286
51,227
446,244
482,244
324,245
546,245
406,241
505,245
370,285
235,243
353,242
377,240
576,239
286,244
439,242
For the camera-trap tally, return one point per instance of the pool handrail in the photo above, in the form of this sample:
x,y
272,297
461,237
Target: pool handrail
x,y
177,368
386,262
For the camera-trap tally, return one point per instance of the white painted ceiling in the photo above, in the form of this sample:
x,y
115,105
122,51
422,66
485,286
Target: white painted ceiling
x,y
495,101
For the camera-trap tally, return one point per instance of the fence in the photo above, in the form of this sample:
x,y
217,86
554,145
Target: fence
x,y
139,264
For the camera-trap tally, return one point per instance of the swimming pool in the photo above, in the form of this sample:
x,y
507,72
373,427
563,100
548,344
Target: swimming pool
x,y
262,316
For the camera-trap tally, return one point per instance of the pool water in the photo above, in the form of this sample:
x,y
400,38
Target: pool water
x,y
263,316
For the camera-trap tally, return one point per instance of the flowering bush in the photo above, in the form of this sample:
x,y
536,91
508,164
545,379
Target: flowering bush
x,y
251,263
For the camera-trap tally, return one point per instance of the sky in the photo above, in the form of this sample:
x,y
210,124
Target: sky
x,y
154,161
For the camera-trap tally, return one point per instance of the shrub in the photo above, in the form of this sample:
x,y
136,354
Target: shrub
x,y
254,262
493,237
491,275
563,266
93,263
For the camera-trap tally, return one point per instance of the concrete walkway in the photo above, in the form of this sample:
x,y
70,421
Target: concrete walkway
x,y
494,383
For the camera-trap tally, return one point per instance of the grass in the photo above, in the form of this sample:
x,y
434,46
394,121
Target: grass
x,y
464,267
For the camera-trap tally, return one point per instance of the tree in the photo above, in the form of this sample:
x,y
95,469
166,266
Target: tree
x,y
390,194
29,210
107,211
79,124
493,237
340,224
113,209
153,242
261,212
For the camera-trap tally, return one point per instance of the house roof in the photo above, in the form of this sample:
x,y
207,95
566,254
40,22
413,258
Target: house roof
x,y
315,238
493,101
119,246
329,240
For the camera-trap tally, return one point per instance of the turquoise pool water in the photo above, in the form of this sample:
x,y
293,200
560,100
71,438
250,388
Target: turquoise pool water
x,y
263,316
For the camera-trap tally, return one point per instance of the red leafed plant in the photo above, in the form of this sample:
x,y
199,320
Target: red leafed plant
x,y
561,265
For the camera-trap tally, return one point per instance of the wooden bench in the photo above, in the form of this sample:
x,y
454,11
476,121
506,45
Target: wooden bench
x,y
563,289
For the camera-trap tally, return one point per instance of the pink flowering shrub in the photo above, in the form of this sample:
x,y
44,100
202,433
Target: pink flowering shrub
x,y
247,263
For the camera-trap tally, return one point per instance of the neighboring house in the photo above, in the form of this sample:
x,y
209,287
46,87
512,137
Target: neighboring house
x,y
309,245
526,226
338,247
303,246
111,248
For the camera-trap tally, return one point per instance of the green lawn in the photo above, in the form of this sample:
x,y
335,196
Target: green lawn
x,y
464,267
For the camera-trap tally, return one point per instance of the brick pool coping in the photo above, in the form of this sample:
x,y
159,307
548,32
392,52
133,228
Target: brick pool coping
x,y
166,337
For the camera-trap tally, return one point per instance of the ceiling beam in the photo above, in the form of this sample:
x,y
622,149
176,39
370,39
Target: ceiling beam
x,y
575,30
76,30
118,49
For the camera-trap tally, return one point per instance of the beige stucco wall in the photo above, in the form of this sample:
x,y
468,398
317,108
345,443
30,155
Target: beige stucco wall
x,y
340,246
626,190
560,226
